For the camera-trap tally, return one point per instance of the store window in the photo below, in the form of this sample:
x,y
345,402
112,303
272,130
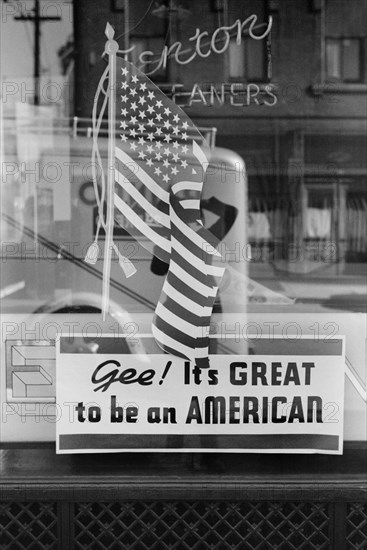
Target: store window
x,y
284,190
183,275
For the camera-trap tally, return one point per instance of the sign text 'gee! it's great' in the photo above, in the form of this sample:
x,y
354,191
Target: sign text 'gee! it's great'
x,y
278,401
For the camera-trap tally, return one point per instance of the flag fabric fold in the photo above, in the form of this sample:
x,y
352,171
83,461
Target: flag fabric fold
x,y
160,164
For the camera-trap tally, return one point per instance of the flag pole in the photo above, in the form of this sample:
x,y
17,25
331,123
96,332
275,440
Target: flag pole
x,y
111,49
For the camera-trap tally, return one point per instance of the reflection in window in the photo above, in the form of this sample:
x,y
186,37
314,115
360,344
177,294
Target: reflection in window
x,y
153,44
344,59
247,60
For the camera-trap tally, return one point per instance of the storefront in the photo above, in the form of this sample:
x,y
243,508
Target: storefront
x,y
183,289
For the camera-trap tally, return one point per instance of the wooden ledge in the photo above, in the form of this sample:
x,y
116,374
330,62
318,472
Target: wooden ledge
x,y
36,472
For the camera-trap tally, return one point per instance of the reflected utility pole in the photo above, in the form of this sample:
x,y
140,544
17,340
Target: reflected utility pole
x,y
37,19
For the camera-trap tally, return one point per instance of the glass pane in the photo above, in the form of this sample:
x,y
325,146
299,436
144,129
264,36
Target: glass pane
x,y
156,44
255,60
333,59
318,214
148,63
139,46
351,60
236,60
285,188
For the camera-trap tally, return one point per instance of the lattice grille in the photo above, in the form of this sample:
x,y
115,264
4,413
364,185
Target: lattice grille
x,y
28,526
356,526
201,525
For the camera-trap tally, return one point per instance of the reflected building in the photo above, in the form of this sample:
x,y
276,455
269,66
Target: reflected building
x,y
297,118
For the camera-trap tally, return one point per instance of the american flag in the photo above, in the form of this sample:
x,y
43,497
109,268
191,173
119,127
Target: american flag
x,y
160,164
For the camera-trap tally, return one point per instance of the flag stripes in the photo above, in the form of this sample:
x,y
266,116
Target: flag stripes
x,y
193,333
170,344
183,263
185,313
194,236
186,290
196,262
176,320
144,177
187,185
178,333
202,288
160,163
148,207
145,229
191,204
183,299
181,236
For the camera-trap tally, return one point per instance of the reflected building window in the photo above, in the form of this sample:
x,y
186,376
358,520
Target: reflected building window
x,y
247,60
344,60
149,63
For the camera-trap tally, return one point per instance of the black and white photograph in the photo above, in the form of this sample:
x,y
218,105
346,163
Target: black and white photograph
x,y
183,290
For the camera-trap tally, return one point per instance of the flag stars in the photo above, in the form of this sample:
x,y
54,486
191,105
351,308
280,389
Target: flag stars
x,y
133,132
158,144
149,162
124,98
175,157
134,79
166,178
150,149
185,125
133,145
123,125
142,100
166,124
150,136
167,111
175,130
167,151
166,163
158,131
141,141
175,144
123,85
158,156
134,106
124,112
150,122
124,71
184,135
151,95
133,92
159,103
176,118
141,128
150,109
123,137
143,86
133,120
185,148
142,155
159,117
167,138
174,170
184,163
142,114
157,170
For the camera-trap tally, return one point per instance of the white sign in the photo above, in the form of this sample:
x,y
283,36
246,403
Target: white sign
x,y
288,398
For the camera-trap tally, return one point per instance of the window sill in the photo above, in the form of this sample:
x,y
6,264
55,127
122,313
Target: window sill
x,y
338,88
36,472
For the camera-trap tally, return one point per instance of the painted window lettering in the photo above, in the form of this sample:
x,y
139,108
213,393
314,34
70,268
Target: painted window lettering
x,y
224,33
